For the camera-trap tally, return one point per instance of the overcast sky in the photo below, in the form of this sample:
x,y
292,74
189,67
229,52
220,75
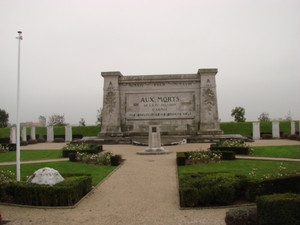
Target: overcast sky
x,y
254,44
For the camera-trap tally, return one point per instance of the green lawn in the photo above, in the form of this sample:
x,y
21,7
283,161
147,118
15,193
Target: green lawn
x,y
291,151
98,172
27,155
244,167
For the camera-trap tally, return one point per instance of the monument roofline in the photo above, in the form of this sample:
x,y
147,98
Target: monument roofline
x,y
208,70
159,77
111,73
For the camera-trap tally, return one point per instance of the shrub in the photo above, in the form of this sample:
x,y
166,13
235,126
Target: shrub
x,y
226,155
280,209
41,140
284,136
32,141
213,188
4,148
292,137
241,216
59,140
298,138
98,159
180,158
23,143
82,147
267,136
72,157
238,146
115,160
203,156
6,176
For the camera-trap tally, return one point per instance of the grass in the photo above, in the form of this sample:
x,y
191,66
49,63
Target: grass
x,y
98,172
291,151
243,167
27,155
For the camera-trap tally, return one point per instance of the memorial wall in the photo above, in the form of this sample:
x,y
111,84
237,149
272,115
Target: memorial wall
x,y
182,104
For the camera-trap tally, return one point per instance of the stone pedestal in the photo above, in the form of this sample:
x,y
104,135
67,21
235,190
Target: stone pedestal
x,y
32,133
256,131
23,133
13,135
275,129
154,142
293,128
50,135
68,133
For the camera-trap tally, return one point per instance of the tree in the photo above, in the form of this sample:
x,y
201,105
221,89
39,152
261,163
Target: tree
x,y
82,122
288,117
264,116
56,120
42,120
239,114
3,118
99,116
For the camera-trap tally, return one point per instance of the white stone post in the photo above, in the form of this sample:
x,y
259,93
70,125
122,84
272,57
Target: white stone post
x,y
154,140
24,137
13,135
32,133
293,130
50,135
68,133
275,129
256,131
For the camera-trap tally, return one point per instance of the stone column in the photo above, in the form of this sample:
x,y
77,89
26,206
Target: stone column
x,y
256,131
275,129
13,135
111,121
209,118
293,130
154,140
32,133
68,133
50,135
24,135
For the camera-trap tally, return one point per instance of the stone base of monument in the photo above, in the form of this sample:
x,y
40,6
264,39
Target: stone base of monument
x,y
153,151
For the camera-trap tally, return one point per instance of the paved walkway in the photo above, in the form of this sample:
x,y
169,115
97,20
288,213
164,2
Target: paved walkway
x,y
142,191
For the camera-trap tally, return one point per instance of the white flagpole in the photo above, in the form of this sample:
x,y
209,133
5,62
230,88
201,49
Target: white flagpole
x,y
18,169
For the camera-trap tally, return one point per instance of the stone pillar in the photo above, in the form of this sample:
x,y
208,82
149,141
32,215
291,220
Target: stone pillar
x,y
293,130
209,118
50,135
13,135
111,121
24,135
275,129
68,133
32,133
256,131
154,140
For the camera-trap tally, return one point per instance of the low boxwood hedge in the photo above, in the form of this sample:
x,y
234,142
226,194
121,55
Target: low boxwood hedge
x,y
283,209
237,150
65,193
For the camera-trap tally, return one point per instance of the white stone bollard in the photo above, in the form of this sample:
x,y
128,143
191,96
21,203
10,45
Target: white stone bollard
x,y
24,135
256,131
68,133
293,130
32,133
13,135
50,135
275,129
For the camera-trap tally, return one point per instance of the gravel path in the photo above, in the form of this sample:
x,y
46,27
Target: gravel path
x,y
142,191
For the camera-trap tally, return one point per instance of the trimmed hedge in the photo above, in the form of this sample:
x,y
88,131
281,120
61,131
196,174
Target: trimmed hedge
x,y
65,193
226,155
241,216
270,186
95,149
283,209
237,150
180,158
207,189
115,160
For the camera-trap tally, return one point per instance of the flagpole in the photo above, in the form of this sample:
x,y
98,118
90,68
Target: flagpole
x,y
18,169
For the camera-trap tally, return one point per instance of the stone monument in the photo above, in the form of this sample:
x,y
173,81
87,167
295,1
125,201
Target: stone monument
x,y
154,142
47,176
181,104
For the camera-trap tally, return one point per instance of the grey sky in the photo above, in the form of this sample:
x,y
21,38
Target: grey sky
x,y
67,44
